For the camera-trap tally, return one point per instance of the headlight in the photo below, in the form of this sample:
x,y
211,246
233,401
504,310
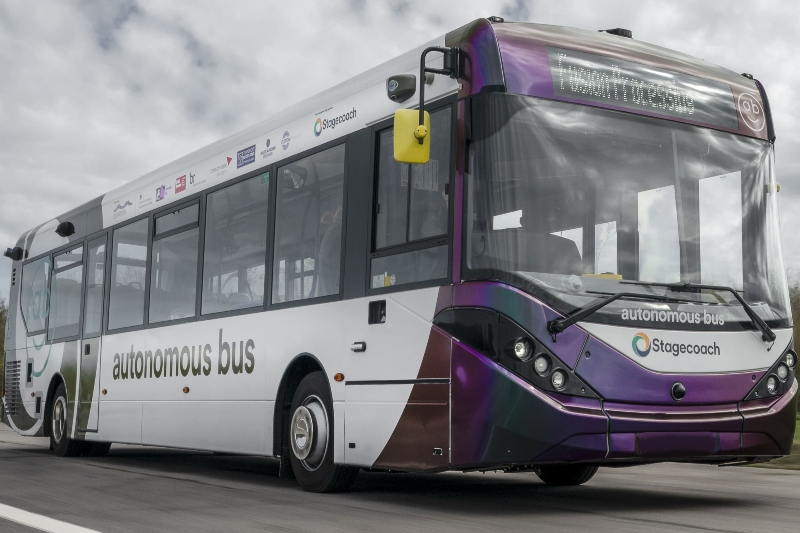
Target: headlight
x,y
522,349
782,371
559,379
541,364
772,384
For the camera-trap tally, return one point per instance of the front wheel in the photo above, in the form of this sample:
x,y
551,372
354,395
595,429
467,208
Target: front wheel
x,y
566,475
59,441
311,438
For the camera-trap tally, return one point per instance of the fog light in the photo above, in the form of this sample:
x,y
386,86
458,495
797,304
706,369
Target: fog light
x,y
559,379
791,359
782,371
772,384
522,349
541,364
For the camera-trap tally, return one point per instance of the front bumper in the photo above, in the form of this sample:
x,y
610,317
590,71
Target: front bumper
x,y
499,420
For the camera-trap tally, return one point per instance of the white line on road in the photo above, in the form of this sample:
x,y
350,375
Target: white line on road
x,y
38,521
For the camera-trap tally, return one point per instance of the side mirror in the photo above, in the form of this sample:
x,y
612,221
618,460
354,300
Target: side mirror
x,y
412,142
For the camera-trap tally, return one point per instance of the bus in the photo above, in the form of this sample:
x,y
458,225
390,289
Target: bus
x,y
518,247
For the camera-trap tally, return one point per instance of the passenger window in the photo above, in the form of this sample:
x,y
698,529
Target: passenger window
x,y
173,276
412,201
235,246
128,271
308,234
34,294
95,276
65,295
411,205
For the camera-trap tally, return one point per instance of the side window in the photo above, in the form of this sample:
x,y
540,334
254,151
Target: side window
x,y
412,206
65,294
128,273
34,294
308,233
235,246
95,276
173,276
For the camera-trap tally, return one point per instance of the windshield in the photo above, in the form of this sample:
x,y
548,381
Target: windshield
x,y
573,203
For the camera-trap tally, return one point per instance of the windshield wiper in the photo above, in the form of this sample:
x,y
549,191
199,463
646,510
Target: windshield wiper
x,y
560,324
767,335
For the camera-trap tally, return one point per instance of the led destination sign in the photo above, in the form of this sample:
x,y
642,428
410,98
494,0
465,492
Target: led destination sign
x,y
640,87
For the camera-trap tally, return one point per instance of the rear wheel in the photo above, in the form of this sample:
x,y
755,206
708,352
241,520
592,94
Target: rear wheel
x,y
565,475
311,438
59,441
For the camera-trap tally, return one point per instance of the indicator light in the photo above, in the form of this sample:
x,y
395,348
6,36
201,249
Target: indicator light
x,y
772,384
541,364
559,379
791,359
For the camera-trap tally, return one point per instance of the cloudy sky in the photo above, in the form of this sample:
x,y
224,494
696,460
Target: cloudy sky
x,y
94,93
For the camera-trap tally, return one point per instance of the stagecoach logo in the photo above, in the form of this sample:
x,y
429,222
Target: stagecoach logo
x,y
285,140
641,344
268,151
330,123
246,156
751,111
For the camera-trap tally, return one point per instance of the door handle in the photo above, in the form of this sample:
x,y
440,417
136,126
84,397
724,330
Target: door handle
x,y
358,347
87,349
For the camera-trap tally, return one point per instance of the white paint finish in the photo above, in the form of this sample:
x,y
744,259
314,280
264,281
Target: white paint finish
x,y
395,351
370,423
40,522
122,422
236,427
739,350
339,443
210,166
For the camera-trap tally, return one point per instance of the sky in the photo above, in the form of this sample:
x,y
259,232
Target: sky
x,y
95,93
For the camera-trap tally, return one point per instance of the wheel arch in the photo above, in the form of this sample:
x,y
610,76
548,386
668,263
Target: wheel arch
x,y
302,365
55,381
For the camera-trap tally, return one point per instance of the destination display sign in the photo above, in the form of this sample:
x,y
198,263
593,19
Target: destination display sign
x,y
638,87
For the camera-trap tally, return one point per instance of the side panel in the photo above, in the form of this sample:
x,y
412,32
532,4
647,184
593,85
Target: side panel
x,y
89,385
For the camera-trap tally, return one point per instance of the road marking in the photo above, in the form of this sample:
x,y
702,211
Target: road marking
x,y
40,522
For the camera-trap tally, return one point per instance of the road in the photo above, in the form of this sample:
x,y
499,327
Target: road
x,y
140,488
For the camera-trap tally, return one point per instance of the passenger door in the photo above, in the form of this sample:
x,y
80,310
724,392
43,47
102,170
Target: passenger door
x,y
89,367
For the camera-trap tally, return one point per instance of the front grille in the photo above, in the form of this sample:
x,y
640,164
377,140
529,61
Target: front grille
x,y
11,386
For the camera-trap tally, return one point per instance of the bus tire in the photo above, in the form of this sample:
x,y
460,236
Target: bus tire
x,y
95,449
59,413
310,438
566,475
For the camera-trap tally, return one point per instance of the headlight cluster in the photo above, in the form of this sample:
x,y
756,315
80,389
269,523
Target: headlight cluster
x,y
505,342
778,379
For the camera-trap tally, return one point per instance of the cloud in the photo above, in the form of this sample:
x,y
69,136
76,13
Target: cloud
x,y
95,93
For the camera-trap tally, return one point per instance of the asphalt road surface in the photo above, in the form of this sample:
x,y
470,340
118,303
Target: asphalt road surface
x,y
140,488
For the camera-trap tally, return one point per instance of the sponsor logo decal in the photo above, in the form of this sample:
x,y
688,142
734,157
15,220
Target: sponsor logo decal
x,y
121,208
161,193
751,112
285,140
229,159
321,124
268,151
245,157
641,339
232,357
191,178
180,184
221,169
